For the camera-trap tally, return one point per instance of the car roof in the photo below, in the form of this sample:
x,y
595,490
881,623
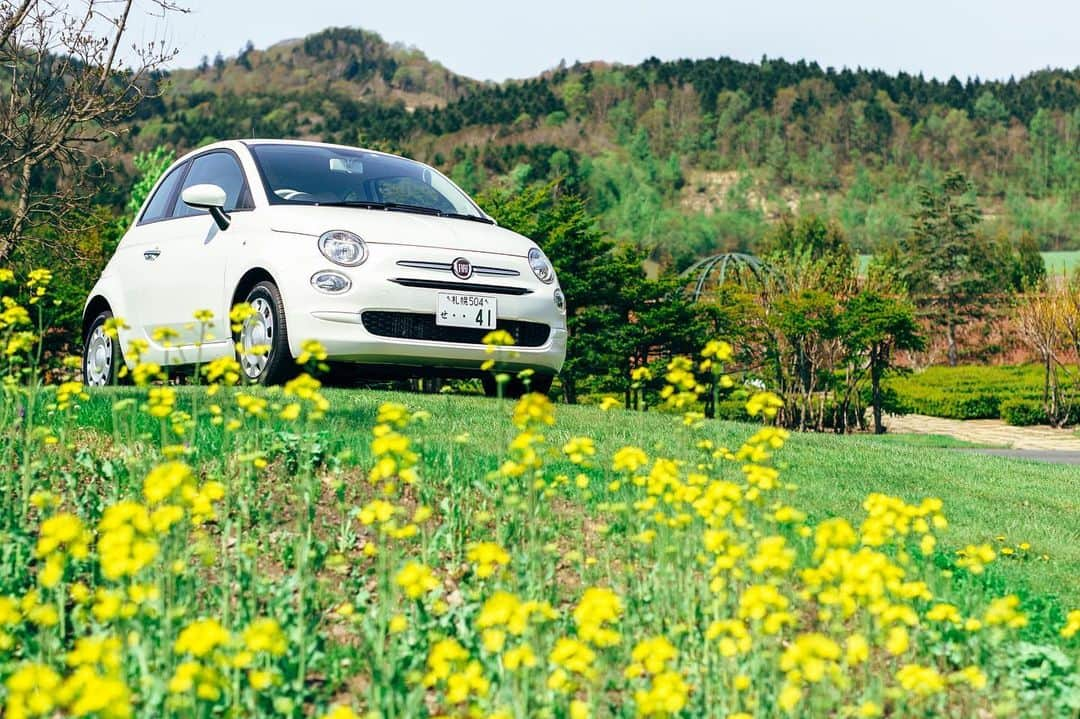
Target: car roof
x,y
247,143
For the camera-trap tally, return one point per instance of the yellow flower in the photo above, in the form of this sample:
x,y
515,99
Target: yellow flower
x,y
573,656
920,680
164,480
416,579
629,460
376,511
443,657
665,696
579,710
856,649
398,624
63,532
1072,624
32,691
609,403
1003,612
790,696
201,637
498,338
811,655
518,657
763,403
340,711
717,349
532,411
487,556
972,676
652,656
265,635
579,449
897,642
311,349
599,607
975,557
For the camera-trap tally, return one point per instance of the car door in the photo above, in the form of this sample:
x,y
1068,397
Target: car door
x,y
136,255
186,264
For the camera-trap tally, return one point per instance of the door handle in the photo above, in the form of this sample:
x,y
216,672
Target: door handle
x,y
151,255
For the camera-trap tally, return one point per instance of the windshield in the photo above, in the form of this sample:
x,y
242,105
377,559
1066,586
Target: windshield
x,y
316,175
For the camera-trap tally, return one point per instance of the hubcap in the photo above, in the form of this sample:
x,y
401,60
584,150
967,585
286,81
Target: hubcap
x,y
258,332
99,357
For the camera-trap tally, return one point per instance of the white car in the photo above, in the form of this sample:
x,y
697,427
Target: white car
x,y
383,260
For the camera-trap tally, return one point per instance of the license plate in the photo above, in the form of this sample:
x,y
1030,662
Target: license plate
x,y
454,309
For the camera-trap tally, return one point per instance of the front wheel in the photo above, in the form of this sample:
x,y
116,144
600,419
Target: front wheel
x,y
101,354
262,344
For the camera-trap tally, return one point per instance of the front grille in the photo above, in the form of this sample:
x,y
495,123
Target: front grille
x,y
414,326
449,267
461,286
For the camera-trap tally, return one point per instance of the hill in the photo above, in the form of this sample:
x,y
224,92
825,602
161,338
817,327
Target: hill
x,y
684,157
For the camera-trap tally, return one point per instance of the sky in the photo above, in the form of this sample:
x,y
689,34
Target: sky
x,y
500,39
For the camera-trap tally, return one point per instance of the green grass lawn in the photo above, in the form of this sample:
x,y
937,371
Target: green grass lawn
x,y
985,497
1057,263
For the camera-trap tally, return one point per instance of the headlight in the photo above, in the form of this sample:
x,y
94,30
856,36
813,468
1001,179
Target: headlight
x,y
560,301
343,248
330,281
541,267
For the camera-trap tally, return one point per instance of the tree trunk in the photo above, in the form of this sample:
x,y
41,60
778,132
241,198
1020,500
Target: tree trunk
x,y
569,389
950,332
22,209
875,389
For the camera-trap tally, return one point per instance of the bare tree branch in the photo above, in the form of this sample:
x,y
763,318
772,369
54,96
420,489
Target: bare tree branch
x,y
67,91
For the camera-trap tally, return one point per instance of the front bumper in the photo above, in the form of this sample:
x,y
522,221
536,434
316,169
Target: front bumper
x,y
345,339
336,321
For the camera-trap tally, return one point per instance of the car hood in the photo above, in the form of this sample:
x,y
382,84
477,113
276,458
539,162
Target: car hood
x,y
400,228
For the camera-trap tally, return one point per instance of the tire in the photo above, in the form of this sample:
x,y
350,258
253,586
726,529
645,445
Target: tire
x,y
515,388
102,358
267,328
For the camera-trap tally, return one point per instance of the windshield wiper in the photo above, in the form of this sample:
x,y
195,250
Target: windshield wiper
x,y
463,216
403,207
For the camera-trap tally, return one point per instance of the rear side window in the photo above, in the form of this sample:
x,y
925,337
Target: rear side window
x,y
216,168
158,207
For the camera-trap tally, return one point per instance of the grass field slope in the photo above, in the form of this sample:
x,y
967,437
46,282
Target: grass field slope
x,y
303,551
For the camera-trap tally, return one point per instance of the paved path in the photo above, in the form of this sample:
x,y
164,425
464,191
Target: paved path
x,y
993,432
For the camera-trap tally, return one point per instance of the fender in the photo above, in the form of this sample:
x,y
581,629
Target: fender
x,y
106,292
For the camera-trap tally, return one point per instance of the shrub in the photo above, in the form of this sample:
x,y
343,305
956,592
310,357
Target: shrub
x,y
1023,412
965,392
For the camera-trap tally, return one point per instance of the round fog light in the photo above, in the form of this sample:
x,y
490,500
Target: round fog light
x,y
332,282
560,300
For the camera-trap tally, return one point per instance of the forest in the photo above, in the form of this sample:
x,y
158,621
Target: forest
x,y
682,158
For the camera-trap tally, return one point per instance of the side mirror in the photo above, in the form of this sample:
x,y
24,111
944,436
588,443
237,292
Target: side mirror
x,y
208,197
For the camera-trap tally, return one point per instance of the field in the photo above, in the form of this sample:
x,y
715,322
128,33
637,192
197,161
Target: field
x,y
1057,263
986,497
212,549
173,552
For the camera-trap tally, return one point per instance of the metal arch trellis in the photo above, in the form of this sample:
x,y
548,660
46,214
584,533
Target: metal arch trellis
x,y
736,261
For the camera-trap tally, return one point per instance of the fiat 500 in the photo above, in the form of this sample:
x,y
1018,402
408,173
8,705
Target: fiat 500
x,y
383,260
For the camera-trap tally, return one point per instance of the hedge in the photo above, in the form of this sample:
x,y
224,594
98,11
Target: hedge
x,y
966,392
1023,412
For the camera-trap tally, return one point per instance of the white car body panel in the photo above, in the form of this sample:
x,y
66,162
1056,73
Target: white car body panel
x,y
164,271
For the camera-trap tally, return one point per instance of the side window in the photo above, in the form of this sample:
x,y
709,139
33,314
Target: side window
x,y
158,207
216,168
